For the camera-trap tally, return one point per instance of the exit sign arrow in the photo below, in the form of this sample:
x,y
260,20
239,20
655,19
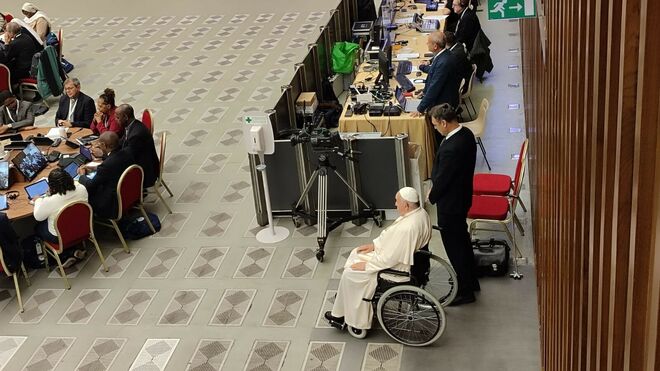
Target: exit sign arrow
x,y
516,7
511,9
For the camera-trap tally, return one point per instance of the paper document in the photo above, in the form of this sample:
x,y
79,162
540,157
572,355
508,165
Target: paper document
x,y
438,17
405,20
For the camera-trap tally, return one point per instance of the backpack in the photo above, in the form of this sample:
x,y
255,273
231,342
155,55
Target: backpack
x,y
135,228
33,254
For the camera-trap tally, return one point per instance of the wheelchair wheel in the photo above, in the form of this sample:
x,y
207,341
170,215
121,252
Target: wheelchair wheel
x,y
442,283
411,316
357,332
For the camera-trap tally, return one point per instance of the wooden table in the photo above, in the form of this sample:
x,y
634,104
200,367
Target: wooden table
x,y
417,129
21,207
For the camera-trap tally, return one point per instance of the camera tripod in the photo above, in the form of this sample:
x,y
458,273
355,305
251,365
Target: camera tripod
x,y
321,173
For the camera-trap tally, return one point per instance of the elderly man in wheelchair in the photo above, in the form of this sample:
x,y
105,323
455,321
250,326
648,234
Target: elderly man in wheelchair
x,y
378,277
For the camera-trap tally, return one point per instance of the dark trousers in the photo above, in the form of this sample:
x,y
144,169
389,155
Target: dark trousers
x,y
41,229
456,238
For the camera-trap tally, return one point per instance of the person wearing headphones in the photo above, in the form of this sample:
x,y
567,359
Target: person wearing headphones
x,y
467,26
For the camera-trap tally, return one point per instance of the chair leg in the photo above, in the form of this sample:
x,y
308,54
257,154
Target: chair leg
x,y
45,251
27,278
18,293
516,221
98,251
473,109
483,151
146,218
522,204
167,188
160,196
59,264
121,236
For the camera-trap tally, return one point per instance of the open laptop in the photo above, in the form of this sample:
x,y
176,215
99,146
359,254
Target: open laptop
x,y
425,25
408,104
4,174
30,161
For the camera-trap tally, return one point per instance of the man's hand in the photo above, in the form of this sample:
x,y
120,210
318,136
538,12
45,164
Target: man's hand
x,y
4,129
423,63
65,123
365,249
81,170
416,114
359,266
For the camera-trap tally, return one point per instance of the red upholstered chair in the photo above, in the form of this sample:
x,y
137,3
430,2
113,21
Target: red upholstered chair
x,y
129,195
8,17
160,182
14,276
27,84
5,79
502,184
73,224
147,120
498,211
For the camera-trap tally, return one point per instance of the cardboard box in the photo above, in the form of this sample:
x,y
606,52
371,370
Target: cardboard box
x,y
308,102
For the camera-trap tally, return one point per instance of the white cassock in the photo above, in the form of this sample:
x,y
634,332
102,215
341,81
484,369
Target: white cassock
x,y
394,249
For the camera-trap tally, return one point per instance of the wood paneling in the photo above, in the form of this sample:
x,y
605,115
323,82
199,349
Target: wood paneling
x,y
593,117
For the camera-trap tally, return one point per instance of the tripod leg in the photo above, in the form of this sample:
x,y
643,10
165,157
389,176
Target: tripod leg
x,y
359,196
308,186
322,214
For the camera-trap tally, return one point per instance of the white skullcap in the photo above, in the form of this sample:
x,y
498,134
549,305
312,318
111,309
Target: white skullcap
x,y
409,194
30,8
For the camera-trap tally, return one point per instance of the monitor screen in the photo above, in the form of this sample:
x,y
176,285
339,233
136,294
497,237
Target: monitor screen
x,y
30,161
37,189
72,168
400,97
4,174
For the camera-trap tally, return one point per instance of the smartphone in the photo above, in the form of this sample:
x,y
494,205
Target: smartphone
x,y
349,112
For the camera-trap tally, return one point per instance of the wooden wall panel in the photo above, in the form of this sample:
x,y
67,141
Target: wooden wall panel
x,y
592,111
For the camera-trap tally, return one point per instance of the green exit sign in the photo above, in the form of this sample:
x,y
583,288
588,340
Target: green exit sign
x,y
511,9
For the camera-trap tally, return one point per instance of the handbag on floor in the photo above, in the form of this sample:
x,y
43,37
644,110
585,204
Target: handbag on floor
x,y
134,228
491,257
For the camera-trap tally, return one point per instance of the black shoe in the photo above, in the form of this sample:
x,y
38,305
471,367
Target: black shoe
x,y
476,286
334,320
463,299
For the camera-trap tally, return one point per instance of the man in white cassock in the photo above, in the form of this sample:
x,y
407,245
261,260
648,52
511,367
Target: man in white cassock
x,y
393,249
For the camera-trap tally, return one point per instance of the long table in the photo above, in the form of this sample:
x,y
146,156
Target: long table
x,y
417,129
20,207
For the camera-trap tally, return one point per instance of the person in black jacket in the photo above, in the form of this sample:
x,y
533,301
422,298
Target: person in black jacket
x,y
18,52
463,66
452,17
453,170
442,82
102,188
468,25
76,109
137,140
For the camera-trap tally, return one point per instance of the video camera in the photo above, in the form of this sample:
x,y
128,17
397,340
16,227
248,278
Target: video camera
x,y
321,139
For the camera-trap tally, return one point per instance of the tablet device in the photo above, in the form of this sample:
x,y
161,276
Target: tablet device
x,y
30,161
86,152
37,189
41,141
4,174
3,202
72,169
14,137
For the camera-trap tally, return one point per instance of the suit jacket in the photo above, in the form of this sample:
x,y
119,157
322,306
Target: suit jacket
x,y
24,117
83,112
467,29
453,170
17,55
427,67
102,189
139,142
442,83
463,66
452,18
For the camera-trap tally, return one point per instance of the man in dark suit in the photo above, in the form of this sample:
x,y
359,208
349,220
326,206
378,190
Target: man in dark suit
x,y
15,114
17,53
102,188
76,108
451,192
468,25
452,18
138,141
442,82
463,65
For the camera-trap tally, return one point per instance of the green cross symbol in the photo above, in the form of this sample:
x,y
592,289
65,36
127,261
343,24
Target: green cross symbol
x,y
248,119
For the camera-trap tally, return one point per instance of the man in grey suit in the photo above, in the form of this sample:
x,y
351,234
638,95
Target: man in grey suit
x,y
15,114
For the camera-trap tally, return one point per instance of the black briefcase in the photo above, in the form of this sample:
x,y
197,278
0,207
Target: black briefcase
x,y
491,257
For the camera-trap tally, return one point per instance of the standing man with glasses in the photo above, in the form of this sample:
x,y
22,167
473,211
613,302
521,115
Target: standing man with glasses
x,y
467,26
76,109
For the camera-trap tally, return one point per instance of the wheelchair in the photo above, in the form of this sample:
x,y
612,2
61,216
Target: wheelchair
x,y
411,312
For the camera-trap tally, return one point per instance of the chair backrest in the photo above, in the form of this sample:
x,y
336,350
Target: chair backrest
x,y
460,88
147,120
8,17
521,163
161,154
73,224
479,124
129,189
5,79
60,44
469,87
516,188
3,266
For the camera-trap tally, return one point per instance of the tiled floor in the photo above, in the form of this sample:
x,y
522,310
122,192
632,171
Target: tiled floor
x,y
203,294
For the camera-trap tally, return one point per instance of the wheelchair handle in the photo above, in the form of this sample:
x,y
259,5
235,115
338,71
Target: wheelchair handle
x,y
436,228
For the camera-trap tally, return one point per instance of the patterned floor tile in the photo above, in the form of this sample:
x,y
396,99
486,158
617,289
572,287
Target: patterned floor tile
x,y
267,356
174,33
141,61
163,96
302,263
210,355
286,58
328,302
246,75
37,306
264,18
169,61
289,17
213,19
195,138
279,29
185,45
160,265
212,45
255,262
151,78
352,230
122,78
226,31
9,345
315,16
181,77
187,20
112,62
241,44
117,261
101,354
74,270
84,307
172,224
154,355
176,162
131,47
307,28
285,308
132,307
213,115
182,307
296,43
261,94
193,193
197,61
216,225
233,306
231,137
6,295
49,353
207,262
212,76
344,252
214,163
254,227
115,21
162,21
178,115
236,191
305,231
139,21
92,21
238,18
248,111
382,356
323,356
276,74
229,94
253,31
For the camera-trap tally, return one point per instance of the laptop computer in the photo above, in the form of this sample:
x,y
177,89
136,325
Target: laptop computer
x,y
408,104
425,25
30,161
4,174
